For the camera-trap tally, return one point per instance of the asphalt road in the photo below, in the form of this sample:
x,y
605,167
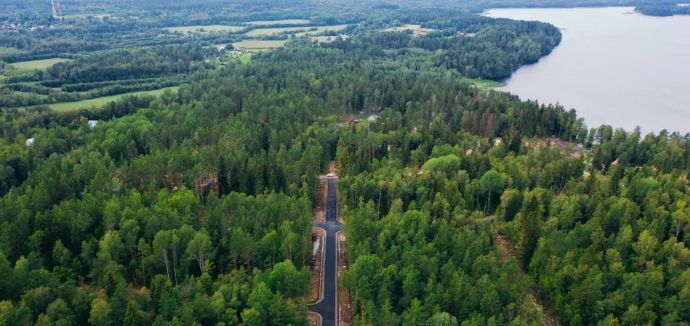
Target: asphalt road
x,y
327,306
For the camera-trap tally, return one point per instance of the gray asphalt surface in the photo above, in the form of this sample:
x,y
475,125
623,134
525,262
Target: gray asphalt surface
x,y
327,306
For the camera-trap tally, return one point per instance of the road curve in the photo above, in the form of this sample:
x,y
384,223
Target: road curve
x,y
327,307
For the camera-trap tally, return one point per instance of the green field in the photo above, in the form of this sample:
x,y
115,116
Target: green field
x,y
259,44
245,58
323,39
9,51
37,64
278,22
417,30
102,101
322,29
85,15
273,31
205,29
483,83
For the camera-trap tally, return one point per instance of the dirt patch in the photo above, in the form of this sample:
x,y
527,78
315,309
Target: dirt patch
x,y
321,196
314,319
316,290
571,149
332,168
505,247
344,299
507,250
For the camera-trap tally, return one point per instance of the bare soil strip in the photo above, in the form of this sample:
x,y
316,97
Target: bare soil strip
x,y
507,251
316,293
321,195
314,319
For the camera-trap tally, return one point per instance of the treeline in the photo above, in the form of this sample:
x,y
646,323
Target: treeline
x,y
477,47
106,73
663,10
129,64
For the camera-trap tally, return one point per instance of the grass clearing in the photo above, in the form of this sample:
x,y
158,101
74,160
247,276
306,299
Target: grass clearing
x,y
259,44
245,58
102,101
297,30
85,16
274,31
205,29
4,51
37,64
484,83
323,29
417,30
279,22
323,39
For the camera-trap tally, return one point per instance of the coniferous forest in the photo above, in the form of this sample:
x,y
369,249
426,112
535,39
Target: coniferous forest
x,y
461,205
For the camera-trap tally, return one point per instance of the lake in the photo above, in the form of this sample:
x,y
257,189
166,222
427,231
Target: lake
x,y
613,66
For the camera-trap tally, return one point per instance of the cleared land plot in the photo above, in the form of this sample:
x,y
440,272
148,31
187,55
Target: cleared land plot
x,y
37,64
102,101
85,16
417,30
279,22
259,44
303,30
205,29
9,51
322,29
323,39
274,31
484,83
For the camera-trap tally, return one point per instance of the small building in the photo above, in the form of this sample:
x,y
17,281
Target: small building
x,y
30,142
92,123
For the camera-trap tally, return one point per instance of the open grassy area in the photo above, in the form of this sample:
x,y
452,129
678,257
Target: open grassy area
x,y
483,83
297,30
322,29
417,30
85,16
205,29
102,101
278,22
245,58
323,39
37,64
4,51
259,44
274,31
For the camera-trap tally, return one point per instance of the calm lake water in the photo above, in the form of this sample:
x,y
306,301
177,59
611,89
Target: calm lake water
x,y
613,66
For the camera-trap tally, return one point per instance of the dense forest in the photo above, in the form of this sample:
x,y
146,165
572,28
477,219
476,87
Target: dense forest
x,y
663,10
462,205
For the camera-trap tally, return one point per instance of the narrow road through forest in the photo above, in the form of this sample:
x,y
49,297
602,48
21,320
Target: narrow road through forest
x,y
327,307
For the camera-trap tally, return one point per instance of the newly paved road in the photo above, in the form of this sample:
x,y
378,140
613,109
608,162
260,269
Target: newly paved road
x,y
327,306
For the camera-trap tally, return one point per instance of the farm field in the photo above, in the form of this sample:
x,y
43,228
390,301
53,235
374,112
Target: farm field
x,y
485,83
417,30
278,22
205,29
4,51
322,29
273,31
102,101
323,39
86,15
259,44
37,64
